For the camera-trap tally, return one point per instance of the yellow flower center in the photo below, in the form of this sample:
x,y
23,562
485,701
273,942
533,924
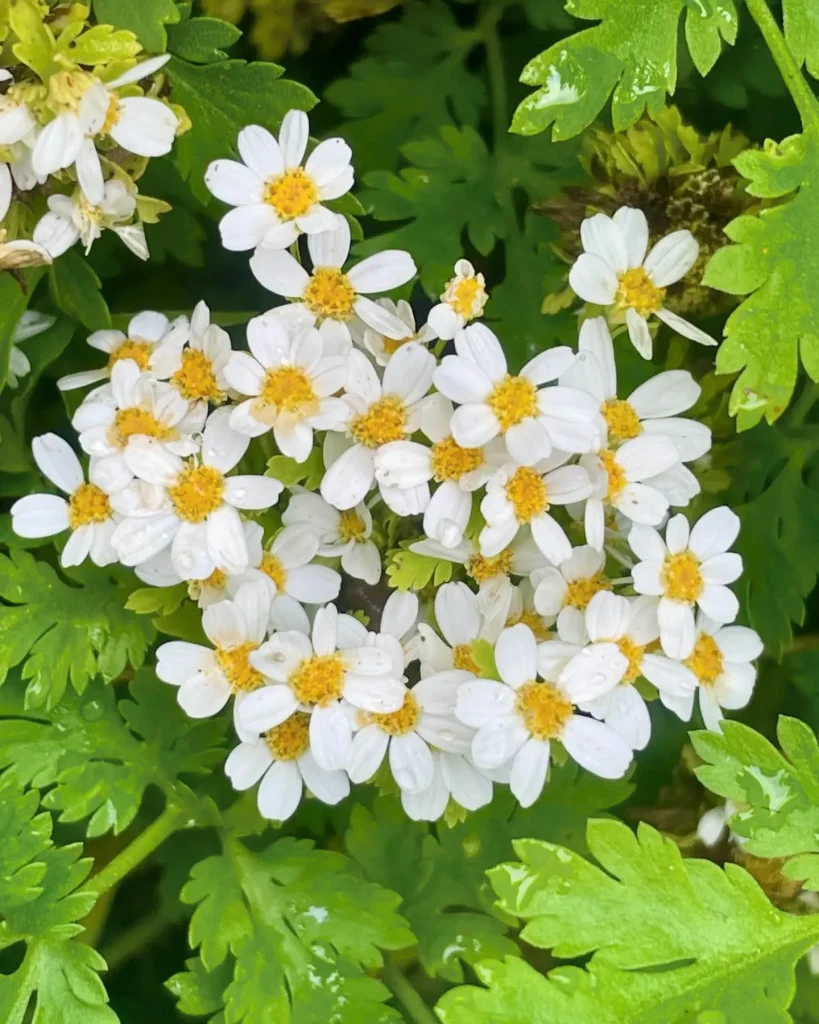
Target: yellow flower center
x,y
450,461
195,379
623,422
351,526
198,492
634,653
527,494
88,504
535,623
639,292
615,472
384,421
67,88
580,592
706,660
289,740
400,722
139,351
292,194
466,296
681,577
330,294
391,345
481,568
319,679
216,581
462,658
238,671
288,390
112,115
544,709
272,567
512,400
137,421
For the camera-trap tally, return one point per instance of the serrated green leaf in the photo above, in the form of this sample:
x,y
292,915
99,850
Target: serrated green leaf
x,y
407,570
289,472
202,40
197,990
147,19
96,46
14,301
75,289
801,21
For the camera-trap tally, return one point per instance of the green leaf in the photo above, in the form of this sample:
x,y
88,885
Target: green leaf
x,y
96,46
75,289
59,632
671,939
289,472
801,21
221,99
146,19
632,52
199,991
202,40
483,654
303,928
407,570
14,301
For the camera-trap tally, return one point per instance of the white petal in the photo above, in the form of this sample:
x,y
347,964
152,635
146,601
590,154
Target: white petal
x,y
348,480
683,327
529,771
247,763
549,365
592,672
244,227
602,237
551,539
226,540
409,372
669,676
593,280
252,492
473,426
677,632
607,617
266,708
482,701
380,273
647,544
261,152
516,655
639,333
57,461
739,643
596,747
528,442
481,347
634,227
293,136
719,603
411,762
280,791
671,258
329,159
366,753
462,381
203,696
277,271
714,533
329,787
313,584
330,736
722,568
233,183
145,127
667,394
498,740
629,717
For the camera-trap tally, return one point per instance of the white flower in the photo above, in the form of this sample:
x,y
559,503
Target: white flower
x,y
399,619
689,568
191,506
30,324
344,535
380,412
383,347
330,295
291,383
87,512
517,719
194,359
522,557
522,609
463,300
615,271
712,827
17,123
460,621
531,419
455,776
21,253
72,217
318,677
275,197
564,592
89,109
16,172
721,664
146,331
522,496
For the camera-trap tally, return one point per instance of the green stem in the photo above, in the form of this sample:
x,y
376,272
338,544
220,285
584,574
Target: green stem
x,y
143,846
406,994
806,102
806,642
497,74
134,940
801,408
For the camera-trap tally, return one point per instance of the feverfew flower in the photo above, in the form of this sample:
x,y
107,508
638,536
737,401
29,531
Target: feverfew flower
x,y
517,719
564,592
291,383
614,271
330,296
345,535
30,324
531,419
382,347
87,512
463,300
455,776
194,360
691,567
72,217
460,620
522,557
275,197
380,412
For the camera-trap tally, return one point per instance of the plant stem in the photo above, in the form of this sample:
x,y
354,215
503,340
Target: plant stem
x,y
134,940
806,642
406,994
801,408
497,74
143,846
806,102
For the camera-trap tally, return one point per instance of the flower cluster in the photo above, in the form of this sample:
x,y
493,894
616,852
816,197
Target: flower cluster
x,y
578,598
79,120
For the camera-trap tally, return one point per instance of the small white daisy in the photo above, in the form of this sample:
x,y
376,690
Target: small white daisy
x,y
462,300
380,412
275,197
382,347
345,535
456,776
691,567
73,218
194,360
329,294
518,718
614,271
30,324
522,557
460,620
291,383
564,592
531,418
87,512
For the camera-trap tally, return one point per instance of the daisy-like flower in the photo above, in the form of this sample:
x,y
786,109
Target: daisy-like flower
x,y
382,347
30,324
522,610
73,218
463,300
191,506
721,666
134,405
456,776
460,621
146,332
522,557
89,109
290,382
531,419
621,478
313,675
276,198
563,593
522,496
615,271
345,535
16,120
329,295
517,719
87,512
194,360
380,412
691,567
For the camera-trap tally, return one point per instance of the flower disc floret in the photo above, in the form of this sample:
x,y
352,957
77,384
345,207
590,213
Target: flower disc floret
x,y
234,662
450,461
291,739
621,419
384,421
351,526
681,577
706,660
139,351
197,493
290,390
88,504
400,722
137,421
463,658
638,291
482,568
634,655
527,493
617,479
195,379
544,709
272,567
330,294
512,400
319,679
580,592
292,194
